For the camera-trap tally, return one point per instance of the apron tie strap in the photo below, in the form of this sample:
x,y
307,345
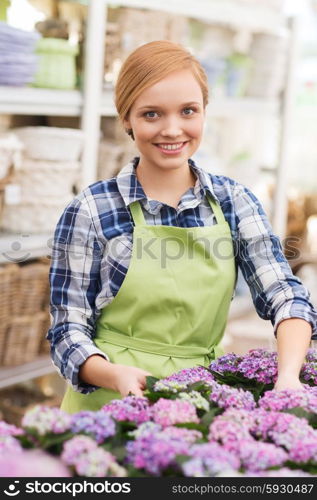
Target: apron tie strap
x,y
176,351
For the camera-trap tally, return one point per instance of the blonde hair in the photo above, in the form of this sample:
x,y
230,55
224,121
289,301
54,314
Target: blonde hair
x,y
148,64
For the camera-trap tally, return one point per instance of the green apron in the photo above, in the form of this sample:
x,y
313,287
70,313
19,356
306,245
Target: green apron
x,y
171,309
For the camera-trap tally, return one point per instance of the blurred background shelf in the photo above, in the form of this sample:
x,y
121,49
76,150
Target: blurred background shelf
x,y
37,101
17,374
23,247
256,17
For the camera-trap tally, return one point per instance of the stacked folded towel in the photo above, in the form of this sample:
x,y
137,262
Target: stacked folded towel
x,y
18,61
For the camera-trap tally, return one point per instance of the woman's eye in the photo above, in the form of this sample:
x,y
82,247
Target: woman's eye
x,y
191,111
150,114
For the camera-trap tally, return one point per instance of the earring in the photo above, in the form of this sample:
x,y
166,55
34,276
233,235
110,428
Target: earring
x,y
130,132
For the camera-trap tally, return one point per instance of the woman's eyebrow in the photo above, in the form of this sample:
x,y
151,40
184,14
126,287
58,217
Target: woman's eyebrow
x,y
158,107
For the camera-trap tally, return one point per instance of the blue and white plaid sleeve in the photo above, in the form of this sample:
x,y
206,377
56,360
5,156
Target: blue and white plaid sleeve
x,y
74,283
277,294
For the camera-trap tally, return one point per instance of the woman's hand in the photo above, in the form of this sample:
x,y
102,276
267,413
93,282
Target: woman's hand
x,y
288,381
129,379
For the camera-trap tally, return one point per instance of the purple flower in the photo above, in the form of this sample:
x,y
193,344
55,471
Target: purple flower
x,y
179,381
131,408
195,398
258,364
9,444
75,447
98,463
208,459
88,459
187,435
153,453
9,429
151,428
228,433
286,430
311,355
47,420
229,397
304,450
99,424
309,372
169,412
30,463
227,363
232,427
286,399
255,455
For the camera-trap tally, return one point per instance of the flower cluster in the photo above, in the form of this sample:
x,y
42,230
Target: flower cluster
x,y
258,365
287,399
209,459
99,424
154,453
196,399
195,423
181,380
47,420
229,397
170,412
9,429
88,459
130,408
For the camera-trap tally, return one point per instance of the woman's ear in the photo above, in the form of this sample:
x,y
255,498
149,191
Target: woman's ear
x,y
126,123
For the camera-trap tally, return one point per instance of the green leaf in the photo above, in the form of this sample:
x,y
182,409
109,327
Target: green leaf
x,y
302,413
155,396
191,425
181,459
53,440
210,415
150,382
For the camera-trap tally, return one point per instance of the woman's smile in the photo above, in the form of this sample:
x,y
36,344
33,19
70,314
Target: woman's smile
x,y
171,148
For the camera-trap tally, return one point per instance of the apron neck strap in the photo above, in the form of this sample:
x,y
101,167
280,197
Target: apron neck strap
x,y
139,220
220,218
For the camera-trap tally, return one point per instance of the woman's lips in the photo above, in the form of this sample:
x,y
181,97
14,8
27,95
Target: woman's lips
x,y
171,151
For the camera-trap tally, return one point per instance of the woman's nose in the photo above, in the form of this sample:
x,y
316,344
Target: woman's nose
x,y
171,128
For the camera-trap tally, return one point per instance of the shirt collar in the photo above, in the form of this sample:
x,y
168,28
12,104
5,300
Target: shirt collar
x,y
131,190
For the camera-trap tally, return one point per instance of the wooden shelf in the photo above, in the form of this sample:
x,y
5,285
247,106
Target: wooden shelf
x,y
17,374
252,16
22,247
36,101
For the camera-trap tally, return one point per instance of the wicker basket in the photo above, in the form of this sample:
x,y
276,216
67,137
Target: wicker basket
x,y
39,217
45,346
43,180
23,340
51,143
15,402
31,289
8,280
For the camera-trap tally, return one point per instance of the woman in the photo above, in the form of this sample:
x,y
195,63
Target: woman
x,y
144,264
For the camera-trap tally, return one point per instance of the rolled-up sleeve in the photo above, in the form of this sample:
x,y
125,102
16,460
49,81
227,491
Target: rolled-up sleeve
x,y
74,284
276,292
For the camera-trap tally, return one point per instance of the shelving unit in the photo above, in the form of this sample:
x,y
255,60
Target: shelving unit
x,y
17,374
22,247
36,101
94,102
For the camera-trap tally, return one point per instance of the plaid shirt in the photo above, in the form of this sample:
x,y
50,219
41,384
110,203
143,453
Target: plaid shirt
x,y
92,249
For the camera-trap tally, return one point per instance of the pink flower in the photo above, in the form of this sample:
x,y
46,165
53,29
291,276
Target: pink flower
x,y
170,412
32,463
9,429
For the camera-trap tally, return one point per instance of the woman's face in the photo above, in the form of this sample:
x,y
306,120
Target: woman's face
x,y
167,120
